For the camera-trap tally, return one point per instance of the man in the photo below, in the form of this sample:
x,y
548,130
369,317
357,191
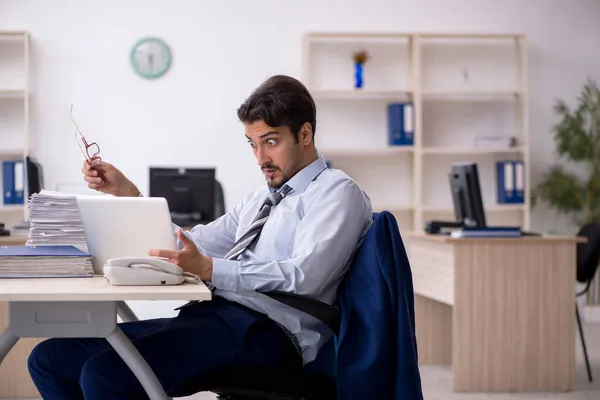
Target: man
x,y
301,242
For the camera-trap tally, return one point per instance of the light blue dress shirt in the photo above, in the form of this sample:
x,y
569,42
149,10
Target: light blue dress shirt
x,y
305,248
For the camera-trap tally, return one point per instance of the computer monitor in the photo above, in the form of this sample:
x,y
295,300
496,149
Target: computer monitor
x,y
190,193
466,195
34,177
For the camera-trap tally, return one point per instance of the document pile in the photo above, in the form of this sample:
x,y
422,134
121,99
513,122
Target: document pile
x,y
44,262
55,221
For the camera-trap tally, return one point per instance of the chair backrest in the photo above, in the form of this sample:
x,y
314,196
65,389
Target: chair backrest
x,y
588,254
377,339
219,200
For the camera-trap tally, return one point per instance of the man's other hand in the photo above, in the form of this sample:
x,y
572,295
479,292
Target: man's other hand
x,y
104,177
189,258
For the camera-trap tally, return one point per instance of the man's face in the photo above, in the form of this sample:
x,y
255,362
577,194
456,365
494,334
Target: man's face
x,y
276,150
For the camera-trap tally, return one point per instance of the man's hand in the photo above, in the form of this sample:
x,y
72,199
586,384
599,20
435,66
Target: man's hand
x,y
105,178
189,258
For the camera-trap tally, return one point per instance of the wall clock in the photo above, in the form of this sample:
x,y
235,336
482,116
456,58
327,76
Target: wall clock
x,y
150,58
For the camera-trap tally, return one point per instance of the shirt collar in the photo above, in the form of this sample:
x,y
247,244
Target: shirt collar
x,y
305,176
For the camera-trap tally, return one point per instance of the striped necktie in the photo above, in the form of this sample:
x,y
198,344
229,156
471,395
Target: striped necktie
x,y
253,232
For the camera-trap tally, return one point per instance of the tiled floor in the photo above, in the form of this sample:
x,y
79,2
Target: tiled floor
x,y
437,381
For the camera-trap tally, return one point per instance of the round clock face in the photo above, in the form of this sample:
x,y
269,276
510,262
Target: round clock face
x,y
150,58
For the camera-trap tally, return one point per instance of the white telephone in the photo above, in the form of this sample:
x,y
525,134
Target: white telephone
x,y
145,271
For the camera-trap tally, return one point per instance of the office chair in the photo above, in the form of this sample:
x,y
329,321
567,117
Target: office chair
x,y
219,200
374,335
588,258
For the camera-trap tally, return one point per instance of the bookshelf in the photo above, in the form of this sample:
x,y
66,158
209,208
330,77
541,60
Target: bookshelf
x,y
14,110
461,86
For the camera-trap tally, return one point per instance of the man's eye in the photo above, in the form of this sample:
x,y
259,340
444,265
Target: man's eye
x,y
272,142
252,144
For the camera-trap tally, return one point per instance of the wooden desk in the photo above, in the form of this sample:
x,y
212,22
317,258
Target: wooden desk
x,y
61,303
501,312
13,240
14,367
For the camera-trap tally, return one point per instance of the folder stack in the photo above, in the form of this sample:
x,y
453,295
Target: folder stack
x,y
510,182
12,182
44,262
400,124
55,221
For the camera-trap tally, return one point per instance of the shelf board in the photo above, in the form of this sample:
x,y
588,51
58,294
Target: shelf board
x,y
13,35
487,208
12,153
471,150
392,208
366,152
459,35
472,95
354,37
12,208
12,94
362,94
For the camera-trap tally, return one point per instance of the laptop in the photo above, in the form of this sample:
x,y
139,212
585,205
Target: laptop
x,y
125,227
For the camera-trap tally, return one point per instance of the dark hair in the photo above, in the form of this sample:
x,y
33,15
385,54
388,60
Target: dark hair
x,y
280,101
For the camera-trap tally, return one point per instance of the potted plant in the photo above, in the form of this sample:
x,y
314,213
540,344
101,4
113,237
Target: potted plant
x,y
577,139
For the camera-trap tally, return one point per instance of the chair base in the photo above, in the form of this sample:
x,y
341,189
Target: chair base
x,y
585,353
246,395
263,383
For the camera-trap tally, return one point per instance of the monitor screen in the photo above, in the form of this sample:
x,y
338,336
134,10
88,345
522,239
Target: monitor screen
x,y
34,177
466,195
190,193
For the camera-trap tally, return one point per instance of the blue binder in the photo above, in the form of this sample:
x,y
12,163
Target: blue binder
x,y
41,251
19,182
400,124
510,182
8,182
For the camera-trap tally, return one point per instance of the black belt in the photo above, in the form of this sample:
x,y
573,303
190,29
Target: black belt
x,y
292,338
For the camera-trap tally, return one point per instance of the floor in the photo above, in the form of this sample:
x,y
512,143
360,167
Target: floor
x,y
437,381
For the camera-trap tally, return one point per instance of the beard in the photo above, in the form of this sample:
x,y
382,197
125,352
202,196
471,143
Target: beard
x,y
283,175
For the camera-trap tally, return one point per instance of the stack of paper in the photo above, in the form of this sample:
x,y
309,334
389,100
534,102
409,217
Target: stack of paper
x,y
54,220
44,261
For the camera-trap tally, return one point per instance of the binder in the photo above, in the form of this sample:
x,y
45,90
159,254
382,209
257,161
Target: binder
x,y
400,124
510,182
41,251
519,182
44,262
8,182
19,183
487,232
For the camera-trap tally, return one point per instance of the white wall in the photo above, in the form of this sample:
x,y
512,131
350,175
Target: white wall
x,y
223,49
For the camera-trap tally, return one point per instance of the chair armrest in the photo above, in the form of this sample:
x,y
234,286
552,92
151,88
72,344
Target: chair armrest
x,y
329,315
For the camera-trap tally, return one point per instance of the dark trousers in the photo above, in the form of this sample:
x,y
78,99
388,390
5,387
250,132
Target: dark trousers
x,y
203,336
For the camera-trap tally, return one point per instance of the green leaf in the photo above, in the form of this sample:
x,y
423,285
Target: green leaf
x,y
561,190
577,139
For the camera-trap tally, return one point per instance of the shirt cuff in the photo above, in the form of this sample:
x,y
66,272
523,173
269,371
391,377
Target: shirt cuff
x,y
225,274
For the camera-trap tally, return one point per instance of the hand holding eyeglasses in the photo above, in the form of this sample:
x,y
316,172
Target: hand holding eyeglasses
x,y
91,151
99,174
105,178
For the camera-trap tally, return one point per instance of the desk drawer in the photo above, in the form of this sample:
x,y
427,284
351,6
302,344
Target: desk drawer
x,y
432,265
62,319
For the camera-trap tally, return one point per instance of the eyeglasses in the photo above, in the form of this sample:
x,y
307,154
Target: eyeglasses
x,y
90,151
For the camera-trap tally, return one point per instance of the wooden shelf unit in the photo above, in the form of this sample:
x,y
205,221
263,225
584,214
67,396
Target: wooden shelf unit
x,y
14,110
461,86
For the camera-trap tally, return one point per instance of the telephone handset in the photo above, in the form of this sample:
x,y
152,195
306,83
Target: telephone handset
x,y
145,271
